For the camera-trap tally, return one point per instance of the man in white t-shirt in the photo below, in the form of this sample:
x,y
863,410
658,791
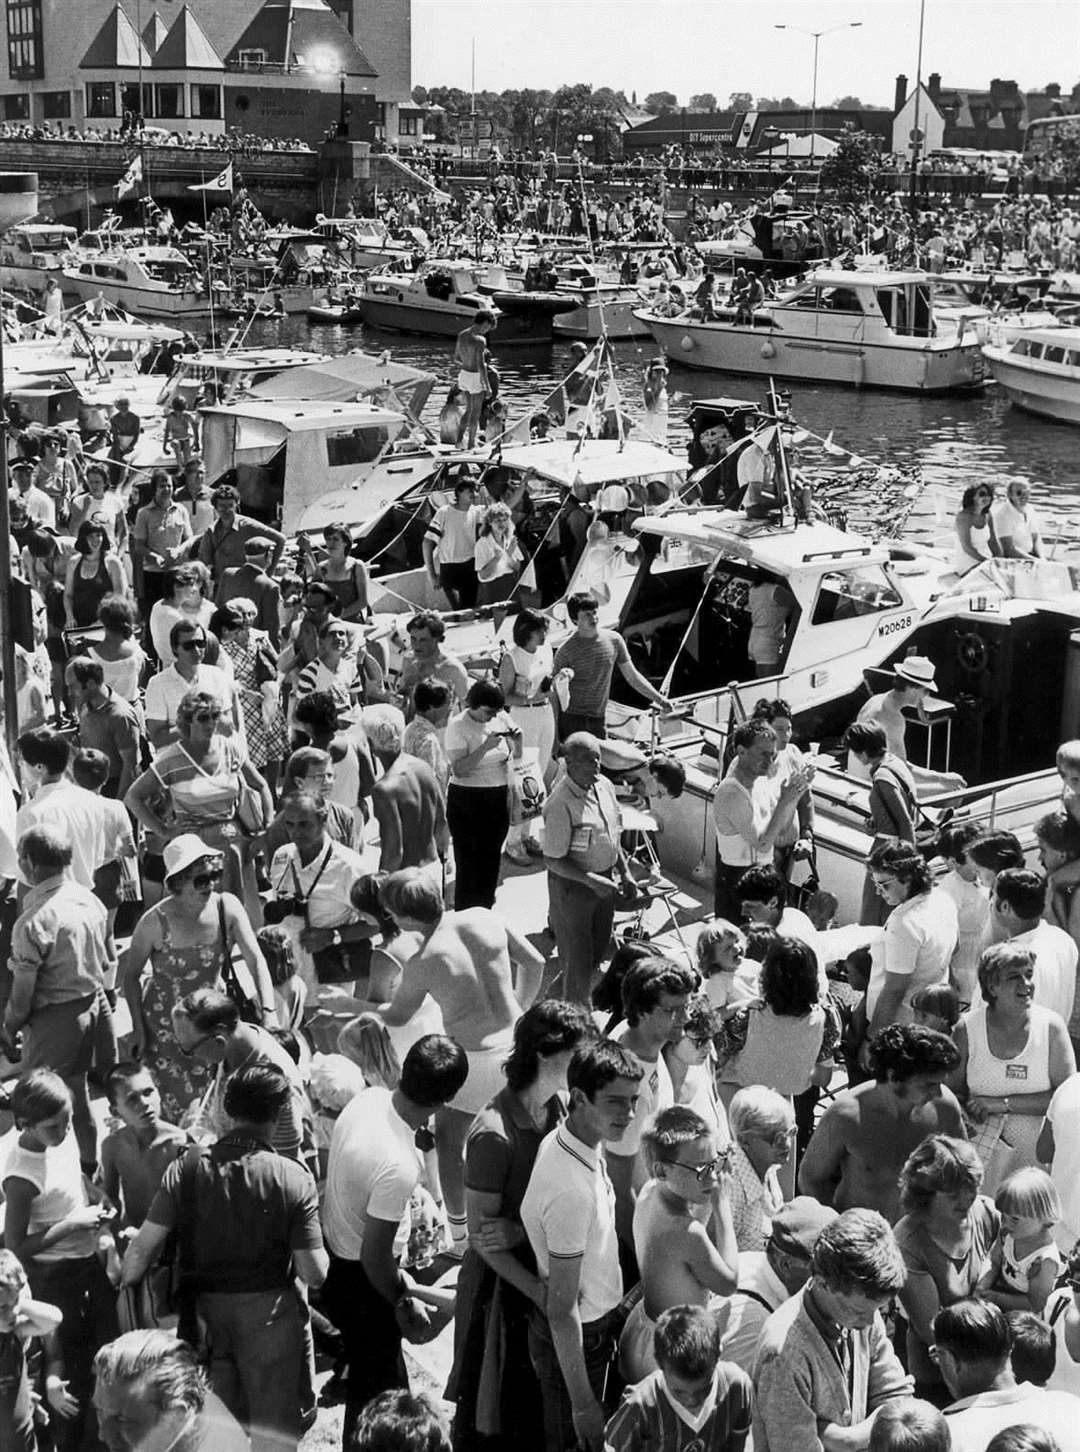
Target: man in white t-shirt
x,y
655,994
1059,1147
1018,527
376,1162
920,935
449,546
1017,906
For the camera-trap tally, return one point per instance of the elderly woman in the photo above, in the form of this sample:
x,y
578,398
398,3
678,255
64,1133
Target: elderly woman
x,y
481,743
93,571
920,934
185,598
312,878
200,784
1013,1055
182,943
492,1380
258,685
763,1130
945,1236
119,654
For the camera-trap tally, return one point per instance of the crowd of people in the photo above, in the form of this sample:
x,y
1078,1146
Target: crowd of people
x,y
286,1052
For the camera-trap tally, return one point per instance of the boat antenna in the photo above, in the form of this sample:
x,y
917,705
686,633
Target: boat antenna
x,y
916,134
786,494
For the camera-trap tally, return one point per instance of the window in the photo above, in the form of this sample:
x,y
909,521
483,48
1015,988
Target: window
x,y
169,100
25,57
857,590
56,105
359,446
206,102
129,98
250,59
17,108
408,125
1053,355
100,98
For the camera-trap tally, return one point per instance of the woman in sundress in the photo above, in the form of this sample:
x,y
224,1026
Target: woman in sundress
x,y
258,684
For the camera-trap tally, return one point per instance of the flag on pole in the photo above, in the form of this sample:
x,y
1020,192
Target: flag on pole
x,y
223,182
129,182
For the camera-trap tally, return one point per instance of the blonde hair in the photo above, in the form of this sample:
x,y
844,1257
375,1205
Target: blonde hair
x,y
1068,754
367,1043
1032,1192
719,931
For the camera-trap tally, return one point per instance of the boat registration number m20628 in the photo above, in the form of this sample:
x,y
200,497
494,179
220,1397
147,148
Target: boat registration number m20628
x,y
890,627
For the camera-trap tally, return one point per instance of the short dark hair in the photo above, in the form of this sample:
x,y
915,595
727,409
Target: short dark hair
x,y
430,694
85,670
257,1093
225,494
118,614
909,1426
1024,1437
1061,832
47,846
905,862
954,840
45,748
429,620
865,737
747,732
671,774
399,1421
687,1341
90,768
901,1050
410,893
182,629
996,851
938,1165
527,622
598,1063
210,1010
121,1074
607,990
648,980
485,693
1022,890
582,600
549,1027
319,710
974,1330
434,1070
761,884
767,710
858,1252
789,977
1034,1354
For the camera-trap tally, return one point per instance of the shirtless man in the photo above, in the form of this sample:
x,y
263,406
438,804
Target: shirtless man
x,y
862,1140
472,376
684,1237
463,960
406,799
134,1157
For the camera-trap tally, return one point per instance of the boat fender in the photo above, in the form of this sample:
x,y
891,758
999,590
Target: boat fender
x,y
860,371
686,343
768,350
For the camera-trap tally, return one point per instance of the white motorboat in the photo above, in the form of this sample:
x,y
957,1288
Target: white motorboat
x,y
1039,369
864,329
443,296
34,252
156,282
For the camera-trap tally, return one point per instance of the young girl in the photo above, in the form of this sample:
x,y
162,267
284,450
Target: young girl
x,y
720,949
1025,1261
937,1007
181,431
290,990
56,1225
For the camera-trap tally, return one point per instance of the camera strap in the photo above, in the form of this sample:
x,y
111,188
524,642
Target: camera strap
x,y
302,897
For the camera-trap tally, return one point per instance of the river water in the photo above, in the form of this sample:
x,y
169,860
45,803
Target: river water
x,y
957,440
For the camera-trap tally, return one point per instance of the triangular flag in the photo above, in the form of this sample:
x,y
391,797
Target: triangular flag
x,y
223,182
129,182
527,579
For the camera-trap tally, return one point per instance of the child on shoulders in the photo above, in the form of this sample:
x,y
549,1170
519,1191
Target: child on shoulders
x,y
1025,1261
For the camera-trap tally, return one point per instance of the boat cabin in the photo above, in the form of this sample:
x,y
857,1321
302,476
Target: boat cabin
x,y
904,302
37,244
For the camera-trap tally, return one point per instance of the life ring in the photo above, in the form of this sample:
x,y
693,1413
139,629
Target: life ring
x,y
972,652
767,349
686,343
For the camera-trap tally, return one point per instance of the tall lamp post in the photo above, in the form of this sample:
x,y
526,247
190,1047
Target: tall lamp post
x,y
816,36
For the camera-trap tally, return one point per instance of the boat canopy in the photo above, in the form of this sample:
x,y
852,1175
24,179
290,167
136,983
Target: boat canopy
x,y
596,461
782,549
351,378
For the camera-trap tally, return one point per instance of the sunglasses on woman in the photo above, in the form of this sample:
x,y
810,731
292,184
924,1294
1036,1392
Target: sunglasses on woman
x,y
202,880
193,645
206,716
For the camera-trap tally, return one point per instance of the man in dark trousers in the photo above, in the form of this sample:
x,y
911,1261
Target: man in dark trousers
x,y
251,581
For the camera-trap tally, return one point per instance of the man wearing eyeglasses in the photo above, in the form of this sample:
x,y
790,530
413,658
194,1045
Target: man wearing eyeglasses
x,y
189,672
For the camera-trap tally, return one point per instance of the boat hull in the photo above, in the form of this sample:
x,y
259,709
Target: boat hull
x,y
591,320
1035,391
911,366
144,302
523,328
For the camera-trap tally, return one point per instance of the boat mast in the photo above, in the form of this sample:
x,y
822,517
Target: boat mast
x,y
916,135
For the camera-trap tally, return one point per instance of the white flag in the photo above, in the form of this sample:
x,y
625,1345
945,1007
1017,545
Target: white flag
x,y
129,182
223,182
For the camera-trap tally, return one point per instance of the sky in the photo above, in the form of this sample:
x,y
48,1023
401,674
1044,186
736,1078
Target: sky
x,y
720,46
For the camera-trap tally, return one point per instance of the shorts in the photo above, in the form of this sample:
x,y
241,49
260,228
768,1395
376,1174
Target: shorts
x,y
486,1077
637,1359
70,1038
471,382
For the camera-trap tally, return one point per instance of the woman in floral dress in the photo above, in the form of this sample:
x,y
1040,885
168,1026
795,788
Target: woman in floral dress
x,y
258,684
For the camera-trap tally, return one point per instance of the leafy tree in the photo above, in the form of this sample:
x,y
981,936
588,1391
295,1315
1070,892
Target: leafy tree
x,y
777,103
661,102
420,95
848,103
706,101
741,101
849,173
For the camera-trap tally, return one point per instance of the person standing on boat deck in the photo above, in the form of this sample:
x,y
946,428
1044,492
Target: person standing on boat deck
x,y
750,812
1018,526
591,654
472,372
913,680
449,546
222,546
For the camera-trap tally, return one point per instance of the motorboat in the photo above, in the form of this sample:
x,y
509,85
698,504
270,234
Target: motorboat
x,y
32,253
153,281
764,240
335,314
443,296
367,242
1039,370
864,329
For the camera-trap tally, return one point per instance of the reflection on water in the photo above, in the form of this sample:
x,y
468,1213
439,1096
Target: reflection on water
x,y
957,440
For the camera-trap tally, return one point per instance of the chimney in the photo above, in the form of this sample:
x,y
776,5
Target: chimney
x,y
901,93
933,86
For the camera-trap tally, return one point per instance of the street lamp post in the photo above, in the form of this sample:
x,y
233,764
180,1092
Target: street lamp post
x,y
815,36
